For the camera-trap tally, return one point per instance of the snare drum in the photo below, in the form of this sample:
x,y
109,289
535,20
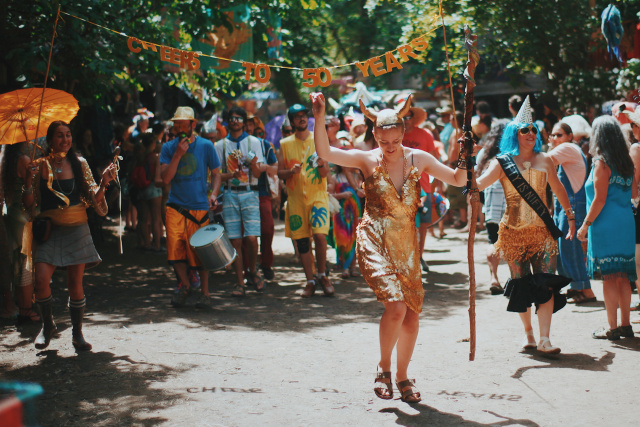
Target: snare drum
x,y
213,247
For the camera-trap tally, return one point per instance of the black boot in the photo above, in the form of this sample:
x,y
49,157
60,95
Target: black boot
x,y
48,329
76,310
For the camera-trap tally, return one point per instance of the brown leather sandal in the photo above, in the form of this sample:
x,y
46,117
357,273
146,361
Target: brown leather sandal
x,y
384,378
408,391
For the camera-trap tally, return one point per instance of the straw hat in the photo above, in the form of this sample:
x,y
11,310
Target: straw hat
x,y
419,115
183,113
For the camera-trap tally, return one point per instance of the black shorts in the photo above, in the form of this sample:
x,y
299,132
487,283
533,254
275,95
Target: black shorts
x,y
492,231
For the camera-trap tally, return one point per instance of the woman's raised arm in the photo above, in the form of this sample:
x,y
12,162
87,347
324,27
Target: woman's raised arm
x,y
347,158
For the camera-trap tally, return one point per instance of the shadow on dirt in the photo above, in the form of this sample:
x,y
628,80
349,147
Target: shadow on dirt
x,y
94,388
579,361
137,287
431,416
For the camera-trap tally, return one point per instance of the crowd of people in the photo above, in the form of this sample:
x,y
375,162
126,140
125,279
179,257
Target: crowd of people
x,y
360,182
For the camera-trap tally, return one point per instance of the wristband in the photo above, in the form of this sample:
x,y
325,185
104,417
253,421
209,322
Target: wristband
x,y
588,223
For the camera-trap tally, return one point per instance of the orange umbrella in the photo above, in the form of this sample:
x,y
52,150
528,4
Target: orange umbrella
x,y
19,113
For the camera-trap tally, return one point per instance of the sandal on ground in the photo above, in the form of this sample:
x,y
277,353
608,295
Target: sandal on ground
x,y
496,290
258,281
529,341
345,274
544,346
238,290
385,392
626,331
408,391
572,293
354,273
606,334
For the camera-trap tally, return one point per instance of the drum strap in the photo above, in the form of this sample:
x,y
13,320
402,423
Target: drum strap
x,y
185,213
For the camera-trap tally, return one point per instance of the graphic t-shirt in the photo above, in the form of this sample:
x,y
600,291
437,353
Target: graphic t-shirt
x,y
189,185
420,139
236,153
308,186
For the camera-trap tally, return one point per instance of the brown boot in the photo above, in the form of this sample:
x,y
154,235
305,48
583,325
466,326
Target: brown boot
x,y
327,287
76,311
309,289
48,329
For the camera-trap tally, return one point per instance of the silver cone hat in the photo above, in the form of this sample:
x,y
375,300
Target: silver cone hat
x,y
525,115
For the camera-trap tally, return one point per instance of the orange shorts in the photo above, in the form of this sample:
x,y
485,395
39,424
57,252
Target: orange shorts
x,y
179,231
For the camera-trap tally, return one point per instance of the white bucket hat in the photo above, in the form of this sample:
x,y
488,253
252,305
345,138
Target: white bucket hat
x,y
184,113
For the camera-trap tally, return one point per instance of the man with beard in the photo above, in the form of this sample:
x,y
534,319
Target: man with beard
x,y
307,212
185,163
243,163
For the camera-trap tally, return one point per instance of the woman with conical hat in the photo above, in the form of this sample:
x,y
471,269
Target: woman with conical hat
x,y
527,235
387,242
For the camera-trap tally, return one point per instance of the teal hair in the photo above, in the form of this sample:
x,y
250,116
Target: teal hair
x,y
509,141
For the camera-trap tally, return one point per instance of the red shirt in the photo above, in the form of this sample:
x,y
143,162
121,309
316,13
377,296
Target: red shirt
x,y
421,139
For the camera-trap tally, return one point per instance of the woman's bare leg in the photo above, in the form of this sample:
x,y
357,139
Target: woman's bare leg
x,y
406,343
390,326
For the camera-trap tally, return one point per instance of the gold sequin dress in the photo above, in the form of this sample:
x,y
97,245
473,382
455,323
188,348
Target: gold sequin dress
x,y
522,232
387,240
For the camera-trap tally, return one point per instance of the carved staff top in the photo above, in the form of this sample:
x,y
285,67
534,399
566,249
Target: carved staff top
x,y
470,41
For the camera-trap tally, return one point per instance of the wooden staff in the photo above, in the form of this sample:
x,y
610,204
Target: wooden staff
x,y
470,41
46,77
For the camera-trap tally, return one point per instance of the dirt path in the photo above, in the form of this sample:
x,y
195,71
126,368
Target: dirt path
x,y
276,359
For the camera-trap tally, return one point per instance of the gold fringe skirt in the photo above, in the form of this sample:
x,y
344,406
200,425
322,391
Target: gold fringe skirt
x,y
519,244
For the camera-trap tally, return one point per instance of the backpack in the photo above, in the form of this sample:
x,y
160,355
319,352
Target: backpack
x,y
139,178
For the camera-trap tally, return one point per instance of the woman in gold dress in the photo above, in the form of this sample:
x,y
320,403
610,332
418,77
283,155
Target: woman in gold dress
x,y
524,240
387,242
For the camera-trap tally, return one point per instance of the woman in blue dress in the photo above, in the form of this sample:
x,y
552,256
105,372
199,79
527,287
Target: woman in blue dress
x,y
609,224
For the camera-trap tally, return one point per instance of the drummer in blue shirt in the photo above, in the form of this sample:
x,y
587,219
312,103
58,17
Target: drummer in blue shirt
x,y
185,163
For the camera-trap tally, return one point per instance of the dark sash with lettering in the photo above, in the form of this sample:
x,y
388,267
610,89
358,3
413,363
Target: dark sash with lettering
x,y
528,194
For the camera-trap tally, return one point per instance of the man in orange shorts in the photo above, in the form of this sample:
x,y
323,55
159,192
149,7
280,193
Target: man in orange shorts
x,y
185,163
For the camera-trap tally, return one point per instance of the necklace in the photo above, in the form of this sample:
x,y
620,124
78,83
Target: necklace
x,y
73,187
404,170
58,166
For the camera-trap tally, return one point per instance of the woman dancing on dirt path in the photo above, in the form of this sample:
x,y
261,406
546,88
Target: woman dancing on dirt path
x,y
387,242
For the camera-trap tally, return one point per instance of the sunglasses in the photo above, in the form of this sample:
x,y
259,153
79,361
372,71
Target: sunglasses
x,y
287,132
557,135
525,131
236,119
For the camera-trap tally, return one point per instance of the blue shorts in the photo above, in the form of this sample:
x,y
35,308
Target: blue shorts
x,y
241,210
423,216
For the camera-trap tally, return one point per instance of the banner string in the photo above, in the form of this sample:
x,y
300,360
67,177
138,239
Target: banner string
x,y
446,51
435,19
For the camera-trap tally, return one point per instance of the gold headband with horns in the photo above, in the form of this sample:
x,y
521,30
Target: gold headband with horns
x,y
388,116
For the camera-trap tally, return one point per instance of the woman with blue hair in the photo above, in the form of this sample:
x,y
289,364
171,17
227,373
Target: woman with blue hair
x,y
527,234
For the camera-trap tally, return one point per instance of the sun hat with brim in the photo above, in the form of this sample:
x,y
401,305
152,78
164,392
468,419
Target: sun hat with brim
x,y
446,109
183,113
419,115
633,116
